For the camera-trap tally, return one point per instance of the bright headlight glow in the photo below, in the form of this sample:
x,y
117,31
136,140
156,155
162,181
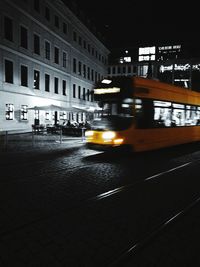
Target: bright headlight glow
x,y
108,135
89,133
118,141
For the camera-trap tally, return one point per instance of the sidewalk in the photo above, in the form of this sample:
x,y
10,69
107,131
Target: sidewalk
x,y
25,145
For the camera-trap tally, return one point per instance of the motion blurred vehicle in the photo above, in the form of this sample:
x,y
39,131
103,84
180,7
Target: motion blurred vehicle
x,y
143,114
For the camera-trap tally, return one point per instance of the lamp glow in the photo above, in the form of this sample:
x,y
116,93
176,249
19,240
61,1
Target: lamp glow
x,y
108,135
89,133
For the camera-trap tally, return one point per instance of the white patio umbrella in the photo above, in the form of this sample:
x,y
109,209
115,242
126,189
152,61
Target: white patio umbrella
x,y
87,109
51,108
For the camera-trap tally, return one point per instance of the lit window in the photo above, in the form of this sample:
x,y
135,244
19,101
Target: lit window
x,y
36,84
9,111
47,116
36,115
24,112
63,115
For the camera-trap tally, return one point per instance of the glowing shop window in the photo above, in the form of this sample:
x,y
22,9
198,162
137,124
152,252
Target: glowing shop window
x,y
47,115
127,59
9,111
63,115
24,112
37,114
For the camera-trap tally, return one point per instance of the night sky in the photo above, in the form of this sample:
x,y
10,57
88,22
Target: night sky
x,y
131,23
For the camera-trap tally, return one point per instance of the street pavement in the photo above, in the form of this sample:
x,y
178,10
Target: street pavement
x,y
178,245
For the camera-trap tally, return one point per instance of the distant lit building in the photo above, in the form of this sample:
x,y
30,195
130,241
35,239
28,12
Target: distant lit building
x,y
175,64
48,56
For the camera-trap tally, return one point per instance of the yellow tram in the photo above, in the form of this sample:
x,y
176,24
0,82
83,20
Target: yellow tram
x,y
144,114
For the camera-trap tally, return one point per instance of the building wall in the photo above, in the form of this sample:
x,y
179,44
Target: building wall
x,y
171,65
69,36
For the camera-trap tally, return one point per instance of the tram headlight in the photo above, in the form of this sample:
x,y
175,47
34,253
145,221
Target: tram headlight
x,y
89,133
108,135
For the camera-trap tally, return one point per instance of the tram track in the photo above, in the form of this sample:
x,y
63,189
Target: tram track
x,y
131,249
126,256
96,198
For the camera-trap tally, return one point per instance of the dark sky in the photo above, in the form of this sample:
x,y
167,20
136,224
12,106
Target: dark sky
x,y
129,23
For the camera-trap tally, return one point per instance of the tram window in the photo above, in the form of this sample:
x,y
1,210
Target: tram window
x,y
154,114
178,117
162,116
198,115
191,115
162,113
126,108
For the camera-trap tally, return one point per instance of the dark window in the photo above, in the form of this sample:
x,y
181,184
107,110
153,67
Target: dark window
x,y
88,94
84,44
8,29
88,73
79,92
36,84
56,85
79,68
80,41
83,93
84,70
24,76
56,22
37,5
74,36
56,55
64,87
92,96
23,37
64,28
74,65
47,13
36,44
92,75
47,50
74,90
8,71
47,82
89,47
64,60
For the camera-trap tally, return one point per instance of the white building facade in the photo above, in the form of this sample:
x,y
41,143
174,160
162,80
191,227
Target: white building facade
x,y
47,56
